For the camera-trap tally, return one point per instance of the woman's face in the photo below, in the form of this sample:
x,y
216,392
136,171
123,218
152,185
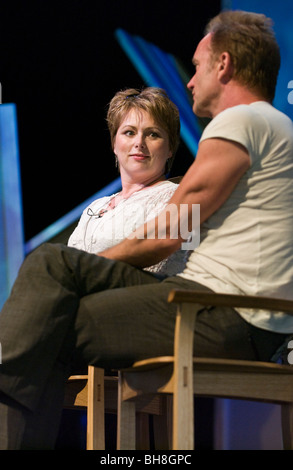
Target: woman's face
x,y
141,146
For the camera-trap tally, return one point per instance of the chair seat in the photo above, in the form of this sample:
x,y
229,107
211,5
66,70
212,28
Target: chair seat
x,y
214,378
244,380
213,364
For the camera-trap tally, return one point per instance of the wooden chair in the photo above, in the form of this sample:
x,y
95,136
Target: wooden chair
x,y
98,394
182,376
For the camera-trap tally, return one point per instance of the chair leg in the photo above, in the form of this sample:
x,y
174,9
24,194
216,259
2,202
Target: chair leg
x,y
126,425
95,409
142,431
183,421
287,425
163,425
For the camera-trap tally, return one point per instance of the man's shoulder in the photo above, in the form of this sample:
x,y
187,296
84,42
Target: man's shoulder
x,y
255,109
243,123
253,116
233,117
246,110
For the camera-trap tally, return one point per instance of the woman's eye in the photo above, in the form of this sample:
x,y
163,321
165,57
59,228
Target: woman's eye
x,y
154,135
129,132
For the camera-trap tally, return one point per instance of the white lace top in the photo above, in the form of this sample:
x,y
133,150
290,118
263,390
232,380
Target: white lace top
x,y
95,233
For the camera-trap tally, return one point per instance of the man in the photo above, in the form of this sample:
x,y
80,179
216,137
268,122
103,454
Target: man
x,y
106,311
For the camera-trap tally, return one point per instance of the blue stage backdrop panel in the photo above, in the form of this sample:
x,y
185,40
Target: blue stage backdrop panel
x,y
11,223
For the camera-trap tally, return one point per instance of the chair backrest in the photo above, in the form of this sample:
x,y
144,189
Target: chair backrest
x,y
176,179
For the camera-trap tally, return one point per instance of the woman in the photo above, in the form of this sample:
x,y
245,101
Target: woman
x,y
145,130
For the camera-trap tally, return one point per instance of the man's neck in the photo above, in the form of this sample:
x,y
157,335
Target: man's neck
x,y
234,95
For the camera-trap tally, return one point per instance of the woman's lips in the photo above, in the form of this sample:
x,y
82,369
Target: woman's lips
x,y
139,156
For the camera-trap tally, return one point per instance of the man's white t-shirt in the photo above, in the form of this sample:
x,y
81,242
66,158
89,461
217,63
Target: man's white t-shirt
x,y
247,245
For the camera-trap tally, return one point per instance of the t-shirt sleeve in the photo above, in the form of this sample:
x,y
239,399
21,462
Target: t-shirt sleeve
x,y
239,124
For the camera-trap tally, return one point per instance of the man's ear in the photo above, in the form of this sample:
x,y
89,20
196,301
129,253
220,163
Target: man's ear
x,y
225,67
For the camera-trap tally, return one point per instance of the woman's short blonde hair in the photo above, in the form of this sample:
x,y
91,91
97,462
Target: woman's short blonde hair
x,y
154,101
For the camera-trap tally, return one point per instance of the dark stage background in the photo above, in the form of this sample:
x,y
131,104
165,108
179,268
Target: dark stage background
x,y
61,64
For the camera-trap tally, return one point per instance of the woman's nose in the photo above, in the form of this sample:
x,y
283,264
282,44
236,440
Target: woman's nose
x,y
139,142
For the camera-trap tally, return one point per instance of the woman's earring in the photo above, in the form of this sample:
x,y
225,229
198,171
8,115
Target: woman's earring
x,y
117,163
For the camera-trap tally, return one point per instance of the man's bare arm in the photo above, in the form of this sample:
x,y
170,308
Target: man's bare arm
x,y
209,182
